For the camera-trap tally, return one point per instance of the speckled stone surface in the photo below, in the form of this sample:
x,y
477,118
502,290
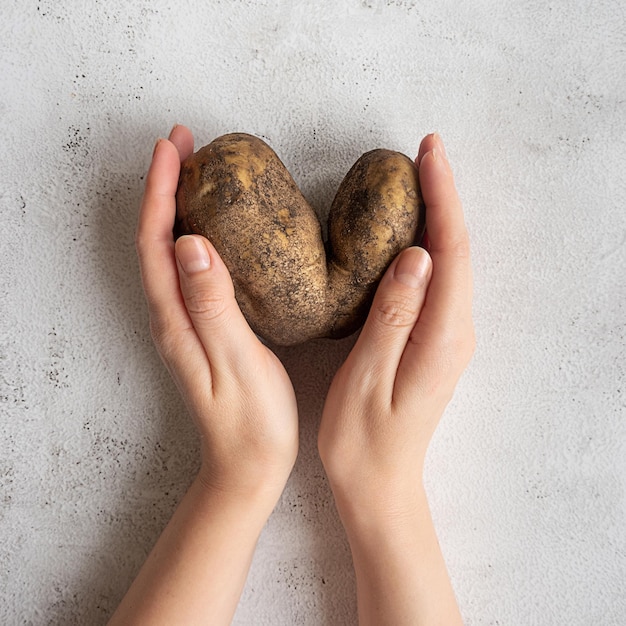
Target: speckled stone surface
x,y
527,472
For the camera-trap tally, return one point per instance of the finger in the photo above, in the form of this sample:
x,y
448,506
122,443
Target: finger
x,y
154,238
428,143
443,338
171,327
394,311
209,298
450,291
182,138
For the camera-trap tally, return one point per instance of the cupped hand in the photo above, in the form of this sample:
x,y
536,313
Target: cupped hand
x,y
387,398
237,391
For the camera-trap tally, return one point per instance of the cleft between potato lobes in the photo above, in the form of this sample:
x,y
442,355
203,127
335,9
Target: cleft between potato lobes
x,y
290,286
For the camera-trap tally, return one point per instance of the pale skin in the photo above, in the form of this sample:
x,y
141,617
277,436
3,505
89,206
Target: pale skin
x,y
380,414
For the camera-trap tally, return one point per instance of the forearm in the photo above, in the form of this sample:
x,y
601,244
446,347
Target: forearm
x,y
400,571
197,569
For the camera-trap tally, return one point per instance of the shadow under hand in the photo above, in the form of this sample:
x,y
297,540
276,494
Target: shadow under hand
x,y
140,450
326,573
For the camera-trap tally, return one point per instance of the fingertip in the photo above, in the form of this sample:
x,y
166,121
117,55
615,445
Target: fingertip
x,y
432,143
175,129
426,145
162,176
162,147
157,143
440,145
436,179
433,156
192,254
209,298
413,267
196,253
395,309
182,138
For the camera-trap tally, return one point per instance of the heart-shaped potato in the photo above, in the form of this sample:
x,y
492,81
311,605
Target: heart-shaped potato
x,y
289,285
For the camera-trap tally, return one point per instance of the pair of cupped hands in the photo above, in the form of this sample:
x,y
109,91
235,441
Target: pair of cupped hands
x,y
385,400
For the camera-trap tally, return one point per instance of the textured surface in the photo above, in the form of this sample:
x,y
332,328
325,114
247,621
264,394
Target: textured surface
x,y
527,472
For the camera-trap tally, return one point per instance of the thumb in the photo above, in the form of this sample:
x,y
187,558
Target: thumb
x,y
394,312
209,296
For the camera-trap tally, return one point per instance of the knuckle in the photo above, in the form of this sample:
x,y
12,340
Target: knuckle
x,y
205,305
161,332
459,247
456,350
155,334
460,351
464,341
448,350
397,312
157,329
163,327
455,245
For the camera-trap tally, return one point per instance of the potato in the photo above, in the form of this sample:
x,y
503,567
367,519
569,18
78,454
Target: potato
x,y
290,285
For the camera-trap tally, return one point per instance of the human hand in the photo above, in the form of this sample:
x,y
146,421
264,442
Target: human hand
x,y
235,388
384,405
241,400
386,400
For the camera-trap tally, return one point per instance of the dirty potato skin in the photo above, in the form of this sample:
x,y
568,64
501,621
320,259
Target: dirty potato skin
x,y
291,288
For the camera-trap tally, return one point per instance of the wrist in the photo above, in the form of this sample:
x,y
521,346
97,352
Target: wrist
x,y
252,498
371,509
401,577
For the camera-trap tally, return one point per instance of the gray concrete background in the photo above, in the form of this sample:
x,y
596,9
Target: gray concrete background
x,y
527,471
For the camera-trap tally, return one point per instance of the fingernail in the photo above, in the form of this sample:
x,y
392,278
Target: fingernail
x,y
437,156
440,144
192,254
412,267
156,145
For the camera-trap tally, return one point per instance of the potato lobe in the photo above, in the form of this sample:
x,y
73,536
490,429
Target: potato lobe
x,y
290,286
